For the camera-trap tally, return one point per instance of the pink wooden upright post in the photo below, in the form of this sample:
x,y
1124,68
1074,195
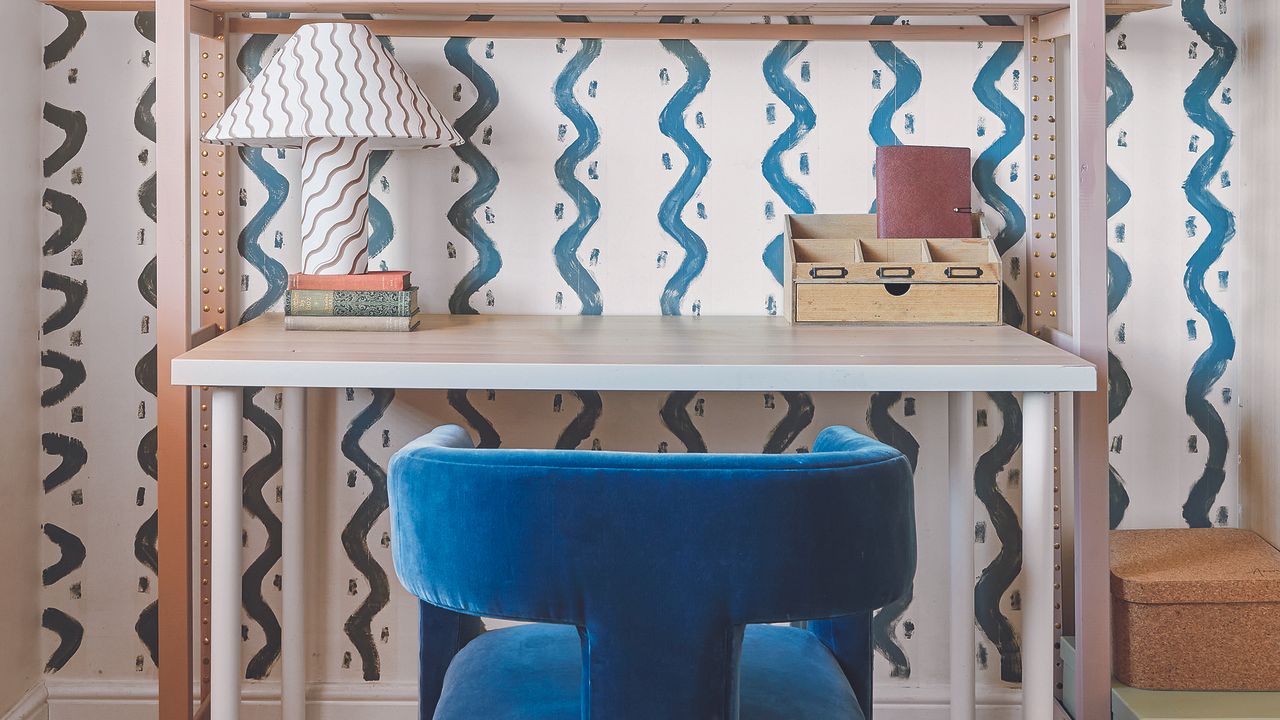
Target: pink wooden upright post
x,y
1089,330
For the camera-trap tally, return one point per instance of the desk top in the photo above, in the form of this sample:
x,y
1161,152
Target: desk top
x,y
559,352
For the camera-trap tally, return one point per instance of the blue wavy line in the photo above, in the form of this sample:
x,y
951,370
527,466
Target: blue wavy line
x,y
355,536
1211,364
144,371
462,215
800,406
570,266
799,415
70,634
74,293
256,476
75,128
71,220
676,418
884,623
803,119
249,60
73,455
906,84
671,121
359,626
381,226
61,46
1119,277
71,554
985,167
907,79
71,373
489,437
584,423
998,576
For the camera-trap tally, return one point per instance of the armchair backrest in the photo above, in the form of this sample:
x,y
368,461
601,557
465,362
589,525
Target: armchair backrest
x,y
654,555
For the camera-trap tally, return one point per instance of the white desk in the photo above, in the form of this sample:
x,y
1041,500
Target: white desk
x,y
640,353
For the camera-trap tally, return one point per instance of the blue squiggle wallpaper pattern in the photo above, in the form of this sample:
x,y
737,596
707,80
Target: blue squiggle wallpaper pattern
x,y
261,470
56,331
673,122
1119,276
1212,363
579,68
880,420
576,276
462,215
997,577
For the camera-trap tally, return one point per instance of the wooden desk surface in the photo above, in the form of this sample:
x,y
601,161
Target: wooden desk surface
x,y
558,352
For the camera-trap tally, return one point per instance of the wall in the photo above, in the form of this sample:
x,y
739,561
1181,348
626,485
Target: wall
x,y
640,177
96,345
19,324
1260,416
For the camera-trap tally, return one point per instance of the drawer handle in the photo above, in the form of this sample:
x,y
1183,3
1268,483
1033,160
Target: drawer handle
x,y
963,272
835,272
895,272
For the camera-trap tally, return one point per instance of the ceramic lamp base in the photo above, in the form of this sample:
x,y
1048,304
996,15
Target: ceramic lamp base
x,y
335,206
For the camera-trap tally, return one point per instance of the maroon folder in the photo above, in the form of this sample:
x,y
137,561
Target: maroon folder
x,y
923,192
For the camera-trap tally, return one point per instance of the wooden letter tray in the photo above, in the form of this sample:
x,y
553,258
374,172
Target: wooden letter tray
x,y
837,270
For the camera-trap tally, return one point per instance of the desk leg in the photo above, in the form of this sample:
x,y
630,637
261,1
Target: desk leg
x,y
293,661
960,472
1037,556
227,496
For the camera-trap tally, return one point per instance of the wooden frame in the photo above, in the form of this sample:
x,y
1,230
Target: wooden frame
x,y
1081,309
173,405
645,8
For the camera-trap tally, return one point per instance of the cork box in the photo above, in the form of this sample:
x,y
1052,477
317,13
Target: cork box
x,y
1195,609
837,270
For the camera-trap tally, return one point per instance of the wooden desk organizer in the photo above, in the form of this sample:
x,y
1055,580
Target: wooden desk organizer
x,y
837,270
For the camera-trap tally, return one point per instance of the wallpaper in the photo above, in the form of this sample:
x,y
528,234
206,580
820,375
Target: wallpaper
x,y
623,177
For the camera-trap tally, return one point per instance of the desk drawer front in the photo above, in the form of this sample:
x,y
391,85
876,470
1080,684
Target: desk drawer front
x,y
916,303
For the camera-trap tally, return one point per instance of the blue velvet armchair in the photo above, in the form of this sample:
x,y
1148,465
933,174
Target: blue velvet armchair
x,y
643,573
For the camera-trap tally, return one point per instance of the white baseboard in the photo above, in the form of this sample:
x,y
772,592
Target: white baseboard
x,y
135,699
34,705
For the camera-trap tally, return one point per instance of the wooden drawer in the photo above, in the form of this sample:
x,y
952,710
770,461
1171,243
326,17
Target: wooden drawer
x,y
898,303
838,271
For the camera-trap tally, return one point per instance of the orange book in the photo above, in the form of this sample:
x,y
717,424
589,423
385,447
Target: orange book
x,y
379,280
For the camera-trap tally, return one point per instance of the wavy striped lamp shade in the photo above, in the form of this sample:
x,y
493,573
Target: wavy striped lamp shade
x,y
335,91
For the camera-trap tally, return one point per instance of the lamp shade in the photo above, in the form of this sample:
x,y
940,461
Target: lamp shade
x,y
335,91
333,80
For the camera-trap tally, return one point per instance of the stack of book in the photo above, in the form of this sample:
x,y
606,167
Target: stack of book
x,y
378,301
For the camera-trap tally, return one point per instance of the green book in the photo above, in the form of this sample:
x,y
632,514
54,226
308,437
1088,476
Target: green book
x,y
351,303
366,324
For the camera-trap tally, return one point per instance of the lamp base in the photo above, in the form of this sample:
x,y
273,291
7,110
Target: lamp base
x,y
335,206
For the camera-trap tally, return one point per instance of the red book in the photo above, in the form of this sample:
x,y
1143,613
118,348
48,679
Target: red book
x,y
379,280
923,192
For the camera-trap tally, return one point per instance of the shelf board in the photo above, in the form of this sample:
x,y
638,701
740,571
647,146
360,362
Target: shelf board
x,y
102,5
532,8
558,352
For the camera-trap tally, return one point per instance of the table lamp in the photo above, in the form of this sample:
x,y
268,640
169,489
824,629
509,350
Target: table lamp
x,y
335,91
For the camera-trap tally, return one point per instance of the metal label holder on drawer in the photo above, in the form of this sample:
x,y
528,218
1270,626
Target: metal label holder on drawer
x,y
837,270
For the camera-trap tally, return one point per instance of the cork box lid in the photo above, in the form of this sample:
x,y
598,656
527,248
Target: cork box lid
x,y
1193,565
